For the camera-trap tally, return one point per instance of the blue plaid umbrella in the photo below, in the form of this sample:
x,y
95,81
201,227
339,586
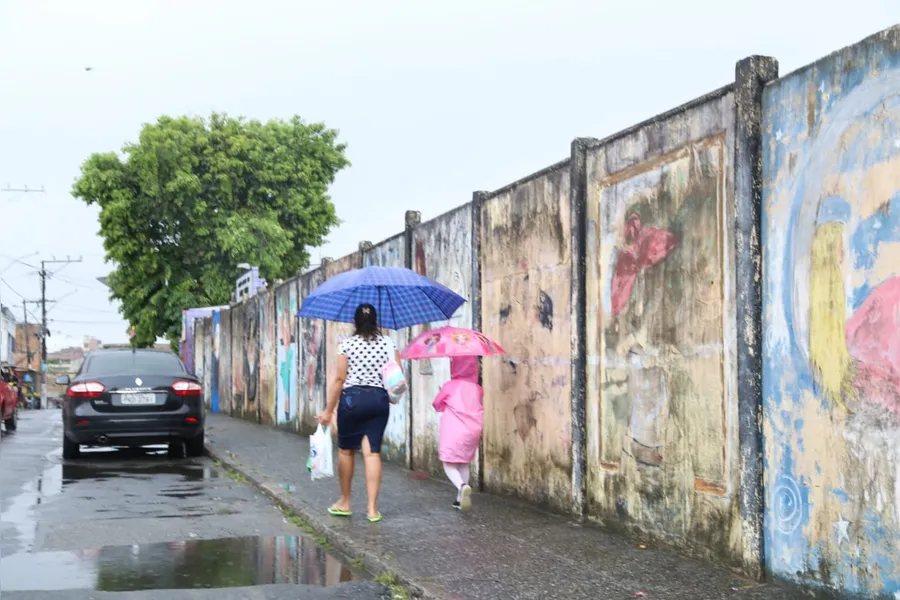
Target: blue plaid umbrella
x,y
401,297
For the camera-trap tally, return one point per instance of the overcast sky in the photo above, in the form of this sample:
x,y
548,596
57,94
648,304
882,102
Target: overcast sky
x,y
435,98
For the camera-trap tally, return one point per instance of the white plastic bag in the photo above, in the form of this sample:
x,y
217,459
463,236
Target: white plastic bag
x,y
321,459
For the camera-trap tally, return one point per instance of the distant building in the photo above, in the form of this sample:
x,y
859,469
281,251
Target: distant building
x,y
91,343
7,335
27,351
248,285
66,361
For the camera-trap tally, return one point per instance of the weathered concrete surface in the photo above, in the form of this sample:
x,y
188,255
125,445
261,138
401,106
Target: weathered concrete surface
x,y
347,591
504,548
831,378
392,253
312,359
223,361
286,354
266,371
442,250
525,288
661,406
237,359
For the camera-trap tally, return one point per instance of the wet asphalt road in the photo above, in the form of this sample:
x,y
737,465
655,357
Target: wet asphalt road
x,y
125,525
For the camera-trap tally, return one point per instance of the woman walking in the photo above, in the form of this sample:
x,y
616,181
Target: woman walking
x,y
460,403
363,407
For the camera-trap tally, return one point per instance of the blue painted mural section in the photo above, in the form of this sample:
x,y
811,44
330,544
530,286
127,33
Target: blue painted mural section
x,y
214,367
831,375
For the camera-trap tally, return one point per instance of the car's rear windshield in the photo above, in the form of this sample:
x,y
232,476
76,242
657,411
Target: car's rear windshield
x,y
131,363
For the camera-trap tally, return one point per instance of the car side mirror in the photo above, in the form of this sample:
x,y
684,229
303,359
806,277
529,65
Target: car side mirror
x,y
62,380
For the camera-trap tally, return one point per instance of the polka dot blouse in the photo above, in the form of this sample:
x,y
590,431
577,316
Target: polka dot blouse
x,y
366,358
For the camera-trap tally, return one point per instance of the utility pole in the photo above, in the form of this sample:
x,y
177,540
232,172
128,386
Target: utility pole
x,y
24,189
44,330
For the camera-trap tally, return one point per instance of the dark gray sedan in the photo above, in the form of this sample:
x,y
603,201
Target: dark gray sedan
x,y
128,398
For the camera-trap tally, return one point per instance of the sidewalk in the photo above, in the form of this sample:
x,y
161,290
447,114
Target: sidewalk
x,y
503,549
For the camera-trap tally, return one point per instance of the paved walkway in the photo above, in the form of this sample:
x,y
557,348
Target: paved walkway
x,y
503,549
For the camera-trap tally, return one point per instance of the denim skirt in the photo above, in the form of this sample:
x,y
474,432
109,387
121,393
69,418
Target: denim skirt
x,y
362,412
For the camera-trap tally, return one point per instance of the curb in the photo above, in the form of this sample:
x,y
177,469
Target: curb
x,y
344,543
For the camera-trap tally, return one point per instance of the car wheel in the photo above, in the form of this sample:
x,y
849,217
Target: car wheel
x,y
195,446
13,422
70,448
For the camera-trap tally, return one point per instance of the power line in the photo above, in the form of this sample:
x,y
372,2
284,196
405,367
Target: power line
x,y
75,321
14,291
44,330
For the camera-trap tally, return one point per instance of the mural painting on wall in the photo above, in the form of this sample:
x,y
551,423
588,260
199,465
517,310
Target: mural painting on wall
x,y
663,333
214,367
250,363
286,397
238,348
224,360
832,321
312,374
267,376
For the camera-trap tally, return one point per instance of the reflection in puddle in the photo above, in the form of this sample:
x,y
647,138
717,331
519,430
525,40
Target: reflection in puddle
x,y
228,562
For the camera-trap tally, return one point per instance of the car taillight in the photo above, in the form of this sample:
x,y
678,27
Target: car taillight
x,y
89,389
187,388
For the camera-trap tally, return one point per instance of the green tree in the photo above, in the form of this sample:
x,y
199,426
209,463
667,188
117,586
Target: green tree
x,y
194,197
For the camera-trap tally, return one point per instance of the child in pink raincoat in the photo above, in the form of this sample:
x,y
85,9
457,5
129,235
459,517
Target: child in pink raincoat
x,y
460,405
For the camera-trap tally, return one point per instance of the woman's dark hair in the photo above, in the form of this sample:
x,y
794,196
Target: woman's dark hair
x,y
366,322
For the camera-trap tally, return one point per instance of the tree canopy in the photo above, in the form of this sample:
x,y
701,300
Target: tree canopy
x,y
195,197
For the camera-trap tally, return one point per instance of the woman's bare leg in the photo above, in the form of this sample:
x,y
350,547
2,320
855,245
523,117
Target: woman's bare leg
x,y
373,476
345,474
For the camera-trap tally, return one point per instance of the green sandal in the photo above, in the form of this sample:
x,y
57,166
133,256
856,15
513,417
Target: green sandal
x,y
336,512
375,519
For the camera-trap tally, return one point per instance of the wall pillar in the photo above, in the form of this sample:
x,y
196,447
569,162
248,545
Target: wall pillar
x,y
475,295
751,76
411,220
578,352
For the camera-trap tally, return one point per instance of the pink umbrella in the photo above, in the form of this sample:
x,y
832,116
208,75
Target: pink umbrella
x,y
451,341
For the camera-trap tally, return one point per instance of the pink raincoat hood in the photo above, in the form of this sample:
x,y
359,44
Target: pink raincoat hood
x,y
464,368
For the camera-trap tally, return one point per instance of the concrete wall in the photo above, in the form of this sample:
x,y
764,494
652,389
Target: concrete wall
x,y
525,288
392,253
661,424
287,351
312,378
658,379
831,377
238,320
267,351
442,250
223,359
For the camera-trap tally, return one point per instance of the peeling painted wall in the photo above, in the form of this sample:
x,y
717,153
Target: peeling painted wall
x,y
337,332
312,380
442,250
198,350
238,322
661,408
223,359
267,354
209,365
250,363
831,376
392,253
526,298
288,353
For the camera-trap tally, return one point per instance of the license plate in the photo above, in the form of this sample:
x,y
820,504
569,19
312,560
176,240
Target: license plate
x,y
137,399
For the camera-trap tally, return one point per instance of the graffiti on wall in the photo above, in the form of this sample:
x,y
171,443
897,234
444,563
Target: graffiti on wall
x,y
214,365
209,366
831,157
224,339
267,377
251,354
238,349
312,380
526,299
287,352
392,253
443,252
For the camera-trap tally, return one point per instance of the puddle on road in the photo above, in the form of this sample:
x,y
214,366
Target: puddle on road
x,y
227,562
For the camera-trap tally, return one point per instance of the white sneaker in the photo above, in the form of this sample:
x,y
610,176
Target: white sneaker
x,y
465,502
